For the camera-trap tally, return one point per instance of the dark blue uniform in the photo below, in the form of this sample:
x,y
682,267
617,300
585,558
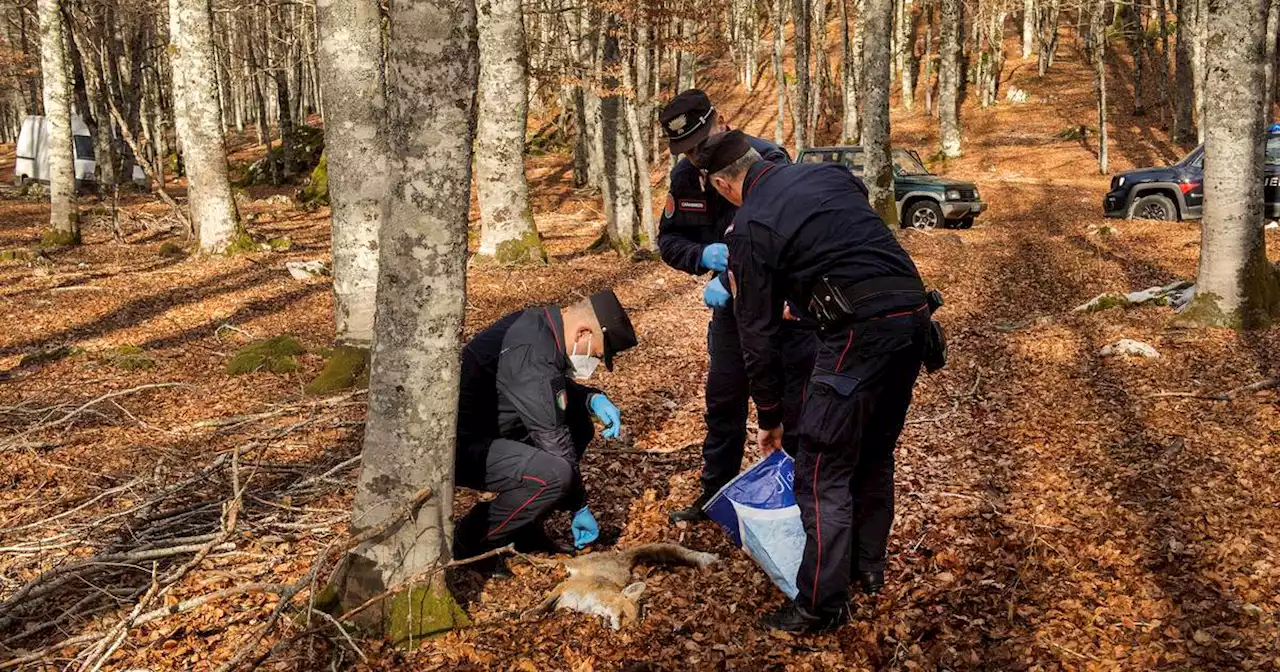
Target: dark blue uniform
x,y
523,424
697,216
803,228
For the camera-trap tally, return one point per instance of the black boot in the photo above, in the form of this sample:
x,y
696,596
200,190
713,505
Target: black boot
x,y
795,618
693,513
533,538
871,582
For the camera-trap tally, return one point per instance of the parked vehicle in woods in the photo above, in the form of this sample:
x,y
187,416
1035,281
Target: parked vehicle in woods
x,y
1176,193
925,201
33,154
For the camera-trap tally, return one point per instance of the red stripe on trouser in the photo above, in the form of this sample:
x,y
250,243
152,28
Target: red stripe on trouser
x,y
527,502
813,602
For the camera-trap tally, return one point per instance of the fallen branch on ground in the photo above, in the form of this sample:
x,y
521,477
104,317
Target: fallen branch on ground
x,y
1268,384
80,409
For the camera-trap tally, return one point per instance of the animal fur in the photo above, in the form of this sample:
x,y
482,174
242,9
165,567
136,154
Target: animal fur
x,y
599,584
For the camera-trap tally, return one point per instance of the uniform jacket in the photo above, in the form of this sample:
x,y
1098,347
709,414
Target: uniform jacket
x,y
696,215
798,224
517,384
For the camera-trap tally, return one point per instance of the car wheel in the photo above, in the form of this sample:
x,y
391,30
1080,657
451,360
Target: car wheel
x,y
924,214
1154,207
966,223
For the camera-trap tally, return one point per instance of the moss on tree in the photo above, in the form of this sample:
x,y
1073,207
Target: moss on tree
x,y
58,238
241,243
277,355
1107,302
422,611
527,249
348,367
316,193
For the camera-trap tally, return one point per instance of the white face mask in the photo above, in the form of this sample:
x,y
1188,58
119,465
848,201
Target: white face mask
x,y
585,364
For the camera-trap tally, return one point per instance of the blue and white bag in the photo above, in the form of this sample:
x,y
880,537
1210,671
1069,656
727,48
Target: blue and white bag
x,y
758,510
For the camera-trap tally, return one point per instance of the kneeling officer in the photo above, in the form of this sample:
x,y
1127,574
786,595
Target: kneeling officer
x,y
524,421
805,234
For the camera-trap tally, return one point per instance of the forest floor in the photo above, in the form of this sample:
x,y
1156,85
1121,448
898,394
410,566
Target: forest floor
x,y
1054,511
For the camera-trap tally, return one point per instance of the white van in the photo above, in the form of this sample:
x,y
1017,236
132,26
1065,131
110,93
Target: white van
x,y
33,153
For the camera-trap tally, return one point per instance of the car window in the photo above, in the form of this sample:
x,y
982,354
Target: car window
x,y
854,159
820,157
1273,150
905,164
84,147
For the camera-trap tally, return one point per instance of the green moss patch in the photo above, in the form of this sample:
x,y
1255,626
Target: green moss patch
x,y
424,610
57,238
347,367
316,193
527,249
128,358
46,355
16,255
277,355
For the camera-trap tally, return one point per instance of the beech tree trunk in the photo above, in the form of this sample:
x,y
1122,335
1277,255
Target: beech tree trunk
x,y
906,53
1028,27
1273,34
64,221
849,132
622,226
648,228
800,50
779,74
507,232
1048,36
875,130
357,158
432,70
1098,37
213,210
1236,286
949,77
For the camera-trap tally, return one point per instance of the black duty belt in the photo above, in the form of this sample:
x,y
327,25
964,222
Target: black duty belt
x,y
835,305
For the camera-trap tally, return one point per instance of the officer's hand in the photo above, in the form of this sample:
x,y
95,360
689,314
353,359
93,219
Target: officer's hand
x,y
769,440
608,414
787,314
715,295
585,528
715,257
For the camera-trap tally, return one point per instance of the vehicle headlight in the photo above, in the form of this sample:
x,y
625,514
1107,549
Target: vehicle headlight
x,y
953,195
1120,181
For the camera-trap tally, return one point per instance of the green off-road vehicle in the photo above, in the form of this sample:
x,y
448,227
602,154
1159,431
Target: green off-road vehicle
x,y
925,201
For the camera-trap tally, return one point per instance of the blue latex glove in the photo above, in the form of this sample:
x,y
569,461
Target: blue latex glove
x,y
715,257
715,295
585,528
607,414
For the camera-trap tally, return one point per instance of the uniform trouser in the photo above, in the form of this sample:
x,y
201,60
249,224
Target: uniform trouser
x,y
728,393
530,484
854,410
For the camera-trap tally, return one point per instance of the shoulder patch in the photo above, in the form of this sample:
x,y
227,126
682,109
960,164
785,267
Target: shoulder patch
x,y
692,205
670,208
562,400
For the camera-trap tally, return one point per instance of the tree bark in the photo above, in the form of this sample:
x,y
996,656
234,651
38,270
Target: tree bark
x,y
648,228
621,223
949,77
906,53
1184,74
1028,27
1273,34
876,25
432,70
1236,286
213,210
928,59
688,60
1048,36
779,74
507,232
849,132
1200,65
358,159
1098,38
64,221
800,48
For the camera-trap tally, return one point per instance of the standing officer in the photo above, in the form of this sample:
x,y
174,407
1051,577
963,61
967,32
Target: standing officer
x,y
806,234
524,422
690,239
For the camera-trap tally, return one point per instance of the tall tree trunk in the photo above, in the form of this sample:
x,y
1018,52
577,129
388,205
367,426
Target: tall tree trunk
x,y
800,47
860,82
1028,27
1236,286
357,157
213,211
648,238
819,99
1048,36
594,38
507,233
906,55
849,132
432,68
104,150
876,25
779,74
64,221
621,223
35,104
1200,65
949,77
1184,73
928,59
1138,49
1098,38
1273,34
688,60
